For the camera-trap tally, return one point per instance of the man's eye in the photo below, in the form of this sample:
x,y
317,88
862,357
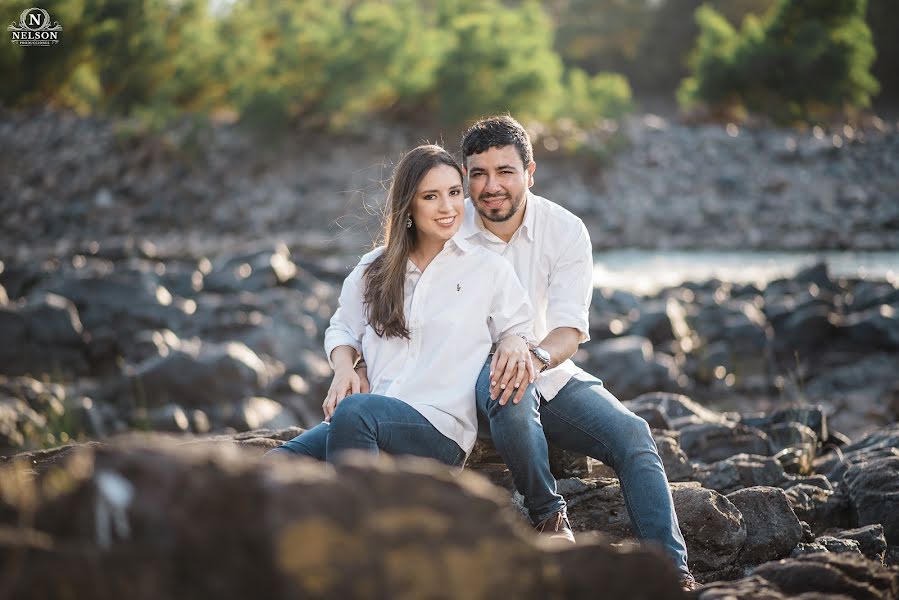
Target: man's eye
x,y
455,192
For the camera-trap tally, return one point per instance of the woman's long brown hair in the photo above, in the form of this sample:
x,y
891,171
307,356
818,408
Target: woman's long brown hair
x,y
386,275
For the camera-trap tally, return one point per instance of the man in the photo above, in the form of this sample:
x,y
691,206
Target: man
x,y
550,249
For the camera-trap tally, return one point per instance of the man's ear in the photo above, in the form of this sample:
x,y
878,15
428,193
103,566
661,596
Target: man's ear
x,y
531,168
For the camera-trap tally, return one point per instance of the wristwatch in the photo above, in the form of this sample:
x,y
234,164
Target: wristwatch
x,y
542,355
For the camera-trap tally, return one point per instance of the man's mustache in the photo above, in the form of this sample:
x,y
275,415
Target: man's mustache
x,y
486,196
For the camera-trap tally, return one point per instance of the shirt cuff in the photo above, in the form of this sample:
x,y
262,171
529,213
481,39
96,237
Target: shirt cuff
x,y
575,317
334,339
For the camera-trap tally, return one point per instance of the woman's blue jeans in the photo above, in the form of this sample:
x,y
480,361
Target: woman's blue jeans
x,y
374,423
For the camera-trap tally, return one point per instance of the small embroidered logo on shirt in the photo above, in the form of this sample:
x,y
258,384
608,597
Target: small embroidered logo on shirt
x,y
458,287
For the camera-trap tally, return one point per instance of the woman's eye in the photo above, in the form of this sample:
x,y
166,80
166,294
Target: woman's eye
x,y
455,192
429,196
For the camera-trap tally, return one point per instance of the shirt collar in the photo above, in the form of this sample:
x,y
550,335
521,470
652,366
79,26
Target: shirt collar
x,y
473,224
458,240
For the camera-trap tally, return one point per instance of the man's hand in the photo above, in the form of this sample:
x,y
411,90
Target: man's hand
x,y
346,381
511,370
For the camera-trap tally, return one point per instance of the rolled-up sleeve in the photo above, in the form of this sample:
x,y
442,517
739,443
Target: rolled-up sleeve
x,y
571,287
510,310
348,323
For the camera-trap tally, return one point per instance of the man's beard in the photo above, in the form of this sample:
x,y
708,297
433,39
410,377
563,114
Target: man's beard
x,y
486,213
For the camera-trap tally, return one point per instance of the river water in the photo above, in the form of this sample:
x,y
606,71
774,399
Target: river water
x,y
647,271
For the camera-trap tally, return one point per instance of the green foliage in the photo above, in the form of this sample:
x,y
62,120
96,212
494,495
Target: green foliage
x,y
311,63
804,60
584,94
501,60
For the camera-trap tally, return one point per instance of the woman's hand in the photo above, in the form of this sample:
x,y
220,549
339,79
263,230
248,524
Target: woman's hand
x,y
346,382
511,370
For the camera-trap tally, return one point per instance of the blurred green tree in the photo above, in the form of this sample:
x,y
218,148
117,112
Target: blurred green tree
x,y
805,60
311,63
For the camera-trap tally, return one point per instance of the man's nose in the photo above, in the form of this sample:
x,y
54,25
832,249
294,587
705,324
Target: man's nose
x,y
492,185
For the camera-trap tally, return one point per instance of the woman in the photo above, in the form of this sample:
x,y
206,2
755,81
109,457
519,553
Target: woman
x,y
424,310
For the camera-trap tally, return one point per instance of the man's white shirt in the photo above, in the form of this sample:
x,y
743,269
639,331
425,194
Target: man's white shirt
x,y
553,258
466,299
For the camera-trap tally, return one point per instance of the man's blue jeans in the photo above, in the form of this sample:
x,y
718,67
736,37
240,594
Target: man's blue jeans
x,y
584,417
374,423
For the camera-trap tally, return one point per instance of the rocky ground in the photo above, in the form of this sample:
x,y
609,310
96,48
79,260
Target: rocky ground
x,y
70,181
182,282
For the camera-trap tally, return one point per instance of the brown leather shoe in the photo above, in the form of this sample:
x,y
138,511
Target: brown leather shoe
x,y
556,527
689,584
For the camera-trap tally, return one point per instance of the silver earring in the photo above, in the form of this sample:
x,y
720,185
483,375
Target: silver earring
x,y
409,222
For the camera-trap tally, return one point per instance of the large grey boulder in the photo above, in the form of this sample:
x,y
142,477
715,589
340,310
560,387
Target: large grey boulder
x,y
151,520
630,366
712,526
214,375
873,489
772,528
842,575
46,336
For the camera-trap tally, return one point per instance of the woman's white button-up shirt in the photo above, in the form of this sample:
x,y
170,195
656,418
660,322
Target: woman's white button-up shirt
x,y
466,299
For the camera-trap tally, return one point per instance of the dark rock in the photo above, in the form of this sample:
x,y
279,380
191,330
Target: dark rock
x,y
253,413
215,376
772,528
873,490
53,320
747,588
712,526
874,328
716,441
677,465
822,509
629,366
883,442
805,329
170,417
252,272
564,464
677,409
369,530
813,417
873,294
857,388
818,274
849,575
870,538
660,321
827,544
741,471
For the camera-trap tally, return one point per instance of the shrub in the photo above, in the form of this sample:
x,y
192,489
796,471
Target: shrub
x,y
805,60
